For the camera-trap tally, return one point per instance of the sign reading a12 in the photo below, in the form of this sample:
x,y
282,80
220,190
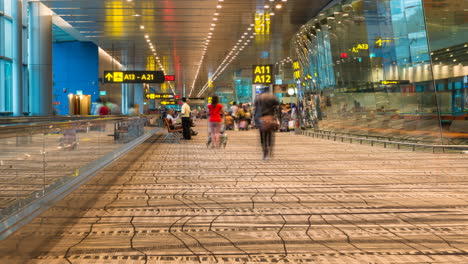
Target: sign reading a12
x,y
262,74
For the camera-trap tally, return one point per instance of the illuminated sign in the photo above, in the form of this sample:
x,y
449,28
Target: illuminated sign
x,y
262,24
153,96
79,92
262,74
390,82
134,77
297,70
379,42
360,47
102,92
169,78
169,103
344,55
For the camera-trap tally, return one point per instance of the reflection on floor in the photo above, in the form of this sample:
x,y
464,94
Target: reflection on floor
x,y
315,201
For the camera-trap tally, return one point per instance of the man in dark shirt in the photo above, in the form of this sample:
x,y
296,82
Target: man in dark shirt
x,y
265,120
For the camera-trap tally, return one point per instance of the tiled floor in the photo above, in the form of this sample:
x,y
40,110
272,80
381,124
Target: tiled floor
x,y
315,201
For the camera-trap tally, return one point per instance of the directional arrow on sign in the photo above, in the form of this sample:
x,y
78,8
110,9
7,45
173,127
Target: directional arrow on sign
x,y
109,76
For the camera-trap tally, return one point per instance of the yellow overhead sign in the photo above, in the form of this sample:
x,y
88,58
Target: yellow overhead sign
x,y
134,77
263,74
153,96
262,23
360,47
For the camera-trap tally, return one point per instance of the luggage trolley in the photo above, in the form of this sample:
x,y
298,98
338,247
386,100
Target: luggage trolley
x,y
223,137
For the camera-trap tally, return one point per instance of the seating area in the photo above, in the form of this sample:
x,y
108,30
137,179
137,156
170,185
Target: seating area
x,y
173,135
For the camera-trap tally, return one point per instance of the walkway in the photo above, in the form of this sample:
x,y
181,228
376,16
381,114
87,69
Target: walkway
x,y
316,201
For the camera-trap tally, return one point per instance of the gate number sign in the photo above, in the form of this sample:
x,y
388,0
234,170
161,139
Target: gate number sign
x,y
263,74
134,77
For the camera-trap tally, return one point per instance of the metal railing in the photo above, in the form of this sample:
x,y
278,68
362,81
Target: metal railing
x,y
372,140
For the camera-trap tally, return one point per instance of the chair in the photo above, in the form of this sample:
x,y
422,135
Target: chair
x,y
172,134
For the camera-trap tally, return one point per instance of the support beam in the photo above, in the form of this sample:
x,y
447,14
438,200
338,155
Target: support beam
x,y
17,71
40,59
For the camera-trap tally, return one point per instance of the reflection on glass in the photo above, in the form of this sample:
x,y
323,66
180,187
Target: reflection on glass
x,y
371,68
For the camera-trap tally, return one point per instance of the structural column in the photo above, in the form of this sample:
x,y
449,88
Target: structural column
x,y
40,59
17,47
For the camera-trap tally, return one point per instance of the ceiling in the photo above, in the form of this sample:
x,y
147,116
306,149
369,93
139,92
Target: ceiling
x,y
179,30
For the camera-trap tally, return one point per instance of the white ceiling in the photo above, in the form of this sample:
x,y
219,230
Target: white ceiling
x,y
178,30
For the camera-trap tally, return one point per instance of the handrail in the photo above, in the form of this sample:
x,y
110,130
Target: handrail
x,y
385,142
39,127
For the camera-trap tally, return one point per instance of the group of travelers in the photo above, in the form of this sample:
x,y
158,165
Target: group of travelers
x,y
239,117
262,115
181,120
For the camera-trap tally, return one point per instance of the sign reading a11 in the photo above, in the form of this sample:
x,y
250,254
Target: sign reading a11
x,y
263,74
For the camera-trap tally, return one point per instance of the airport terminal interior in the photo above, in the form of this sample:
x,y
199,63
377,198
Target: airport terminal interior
x,y
233,131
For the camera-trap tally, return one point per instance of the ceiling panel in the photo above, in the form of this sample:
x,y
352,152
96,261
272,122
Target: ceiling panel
x,y
178,30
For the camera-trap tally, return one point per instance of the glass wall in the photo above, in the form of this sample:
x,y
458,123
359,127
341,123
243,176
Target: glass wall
x,y
5,56
376,68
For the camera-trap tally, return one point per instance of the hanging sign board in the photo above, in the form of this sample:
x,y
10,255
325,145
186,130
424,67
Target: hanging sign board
x,y
390,82
170,103
262,74
134,77
159,96
169,78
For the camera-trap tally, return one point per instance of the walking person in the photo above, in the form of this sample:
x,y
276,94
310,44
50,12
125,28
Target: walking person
x,y
186,119
265,120
233,110
215,110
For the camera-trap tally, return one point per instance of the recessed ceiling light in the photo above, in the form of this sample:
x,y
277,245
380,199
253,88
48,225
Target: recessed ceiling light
x,y
215,18
267,6
216,14
278,6
211,28
213,25
137,15
146,36
272,14
219,6
210,33
249,29
142,27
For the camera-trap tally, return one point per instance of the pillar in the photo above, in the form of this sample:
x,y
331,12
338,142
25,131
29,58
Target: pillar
x,y
17,71
40,59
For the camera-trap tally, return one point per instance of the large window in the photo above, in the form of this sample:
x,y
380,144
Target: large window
x,y
396,68
6,54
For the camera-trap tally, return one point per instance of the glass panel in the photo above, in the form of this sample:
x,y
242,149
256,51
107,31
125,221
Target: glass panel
x,y
37,160
7,4
8,52
447,30
364,67
7,86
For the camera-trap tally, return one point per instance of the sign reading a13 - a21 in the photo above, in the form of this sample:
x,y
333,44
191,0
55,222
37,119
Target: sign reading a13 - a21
x,y
134,77
263,74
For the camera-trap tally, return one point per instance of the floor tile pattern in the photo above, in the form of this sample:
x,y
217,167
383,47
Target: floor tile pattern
x,y
314,201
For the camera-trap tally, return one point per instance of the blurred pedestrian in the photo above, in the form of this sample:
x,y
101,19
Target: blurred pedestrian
x,y
104,109
265,120
215,109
